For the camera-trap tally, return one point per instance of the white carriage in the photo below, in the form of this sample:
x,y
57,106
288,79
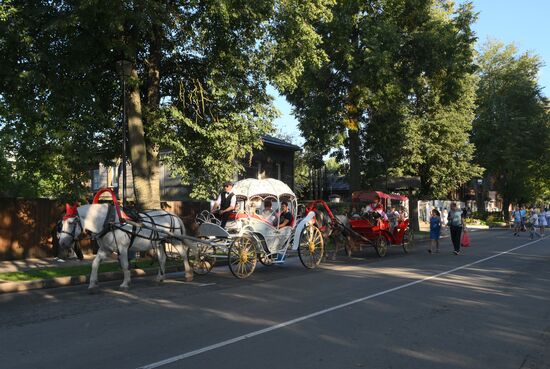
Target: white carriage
x,y
254,233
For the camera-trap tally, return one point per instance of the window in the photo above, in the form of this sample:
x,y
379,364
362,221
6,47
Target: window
x,y
96,183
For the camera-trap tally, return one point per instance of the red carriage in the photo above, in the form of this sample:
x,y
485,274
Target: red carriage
x,y
367,229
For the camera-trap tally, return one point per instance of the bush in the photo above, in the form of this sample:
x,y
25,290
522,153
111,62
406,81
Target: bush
x,y
489,217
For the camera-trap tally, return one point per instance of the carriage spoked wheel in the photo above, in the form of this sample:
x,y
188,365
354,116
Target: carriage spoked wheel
x,y
242,257
381,245
408,240
311,247
202,258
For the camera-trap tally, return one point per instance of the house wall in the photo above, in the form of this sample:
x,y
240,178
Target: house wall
x,y
270,162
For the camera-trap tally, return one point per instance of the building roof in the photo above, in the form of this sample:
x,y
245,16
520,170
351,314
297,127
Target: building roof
x,y
274,141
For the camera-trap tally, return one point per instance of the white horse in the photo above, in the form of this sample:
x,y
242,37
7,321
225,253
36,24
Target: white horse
x,y
69,232
112,235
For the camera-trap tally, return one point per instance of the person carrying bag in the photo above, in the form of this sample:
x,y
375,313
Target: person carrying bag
x,y
456,222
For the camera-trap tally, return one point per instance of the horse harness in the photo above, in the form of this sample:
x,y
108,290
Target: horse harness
x,y
110,225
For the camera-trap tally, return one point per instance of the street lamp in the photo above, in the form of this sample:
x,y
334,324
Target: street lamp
x,y
123,68
480,195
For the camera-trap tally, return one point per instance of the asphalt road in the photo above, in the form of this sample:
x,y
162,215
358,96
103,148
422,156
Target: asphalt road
x,y
486,308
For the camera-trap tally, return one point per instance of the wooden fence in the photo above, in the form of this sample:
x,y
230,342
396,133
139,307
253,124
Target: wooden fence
x,y
28,226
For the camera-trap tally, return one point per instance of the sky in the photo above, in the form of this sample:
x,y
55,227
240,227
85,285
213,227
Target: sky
x,y
525,23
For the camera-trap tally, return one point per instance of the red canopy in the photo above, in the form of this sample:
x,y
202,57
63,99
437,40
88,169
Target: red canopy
x,y
367,196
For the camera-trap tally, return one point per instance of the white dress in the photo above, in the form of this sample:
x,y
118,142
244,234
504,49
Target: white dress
x,y
542,219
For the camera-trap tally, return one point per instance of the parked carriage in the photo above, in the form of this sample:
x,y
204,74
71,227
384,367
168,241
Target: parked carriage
x,y
253,233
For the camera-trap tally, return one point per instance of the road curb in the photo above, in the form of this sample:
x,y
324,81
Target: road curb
x,y
10,287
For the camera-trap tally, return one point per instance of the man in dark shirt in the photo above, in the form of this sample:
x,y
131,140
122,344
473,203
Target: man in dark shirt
x,y
285,218
225,204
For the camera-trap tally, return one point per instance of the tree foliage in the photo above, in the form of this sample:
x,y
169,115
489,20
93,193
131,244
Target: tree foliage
x,y
398,74
196,73
512,125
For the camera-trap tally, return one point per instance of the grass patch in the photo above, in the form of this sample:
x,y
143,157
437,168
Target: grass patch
x,y
71,271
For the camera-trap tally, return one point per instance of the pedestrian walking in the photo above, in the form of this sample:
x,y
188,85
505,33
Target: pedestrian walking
x,y
435,230
516,214
547,212
523,213
542,221
533,223
456,222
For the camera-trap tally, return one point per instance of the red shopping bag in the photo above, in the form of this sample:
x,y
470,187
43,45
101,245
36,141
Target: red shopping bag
x,y
465,241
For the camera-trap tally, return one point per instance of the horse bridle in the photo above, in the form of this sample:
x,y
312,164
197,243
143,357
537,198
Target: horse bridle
x,y
73,231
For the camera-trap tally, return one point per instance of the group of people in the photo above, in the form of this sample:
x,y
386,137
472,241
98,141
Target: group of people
x,y
226,204
530,220
394,215
454,219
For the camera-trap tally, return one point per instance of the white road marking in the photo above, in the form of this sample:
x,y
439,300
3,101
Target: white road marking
x,y
198,284
189,354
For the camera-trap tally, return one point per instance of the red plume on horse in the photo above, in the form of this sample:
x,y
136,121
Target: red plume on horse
x,y
70,210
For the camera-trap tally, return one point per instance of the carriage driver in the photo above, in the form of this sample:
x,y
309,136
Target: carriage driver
x,y
225,203
285,218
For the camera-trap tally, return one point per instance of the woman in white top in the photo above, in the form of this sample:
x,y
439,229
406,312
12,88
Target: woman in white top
x,y
533,223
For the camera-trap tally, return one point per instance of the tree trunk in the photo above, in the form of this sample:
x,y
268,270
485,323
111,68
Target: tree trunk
x,y
505,209
153,101
354,160
413,211
143,189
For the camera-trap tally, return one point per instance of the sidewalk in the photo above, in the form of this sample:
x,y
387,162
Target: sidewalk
x,y
77,272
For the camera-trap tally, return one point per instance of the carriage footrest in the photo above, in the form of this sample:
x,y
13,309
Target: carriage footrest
x,y
280,258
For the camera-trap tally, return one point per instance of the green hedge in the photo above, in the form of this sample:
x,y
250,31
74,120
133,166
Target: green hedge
x,y
489,216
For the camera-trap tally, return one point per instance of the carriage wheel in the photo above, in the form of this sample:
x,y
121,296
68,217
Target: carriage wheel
x,y
266,259
311,247
408,240
242,257
202,258
381,245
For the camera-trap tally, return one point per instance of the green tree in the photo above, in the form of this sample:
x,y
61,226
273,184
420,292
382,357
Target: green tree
x,y
196,75
512,125
392,64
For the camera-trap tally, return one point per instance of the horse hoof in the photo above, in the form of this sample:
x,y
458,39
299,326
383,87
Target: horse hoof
x,y
123,288
93,290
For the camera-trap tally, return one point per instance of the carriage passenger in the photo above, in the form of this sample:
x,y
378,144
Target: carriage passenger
x,y
268,213
393,217
376,207
403,214
285,218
